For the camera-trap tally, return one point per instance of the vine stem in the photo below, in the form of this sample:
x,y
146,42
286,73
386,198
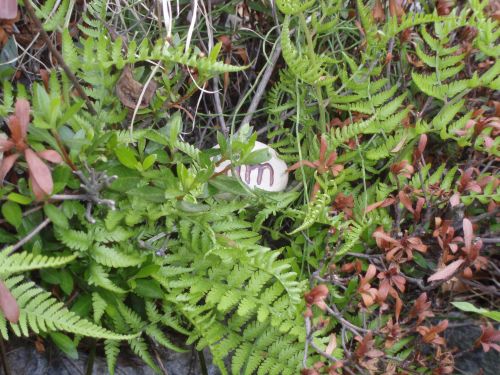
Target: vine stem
x,y
58,56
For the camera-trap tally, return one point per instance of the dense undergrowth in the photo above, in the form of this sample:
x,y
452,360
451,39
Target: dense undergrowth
x,y
115,232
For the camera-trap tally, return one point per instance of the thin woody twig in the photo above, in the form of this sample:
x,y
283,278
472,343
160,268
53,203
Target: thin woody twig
x,y
263,84
58,57
216,81
29,236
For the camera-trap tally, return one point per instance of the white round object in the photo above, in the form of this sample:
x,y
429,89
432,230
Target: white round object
x,y
272,175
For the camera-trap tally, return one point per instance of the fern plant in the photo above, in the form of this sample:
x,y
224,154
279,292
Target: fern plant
x,y
39,310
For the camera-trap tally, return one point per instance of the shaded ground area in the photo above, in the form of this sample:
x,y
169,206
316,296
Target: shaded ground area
x,y
473,361
24,359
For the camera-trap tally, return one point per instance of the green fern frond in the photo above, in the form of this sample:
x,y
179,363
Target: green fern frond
x,y
24,261
40,312
114,257
75,240
111,350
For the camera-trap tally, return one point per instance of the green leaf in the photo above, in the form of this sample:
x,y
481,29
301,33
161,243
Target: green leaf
x,y
148,288
12,213
148,193
175,127
18,198
50,276
215,52
469,307
127,157
258,156
192,207
66,282
82,305
146,271
64,343
228,184
56,216
149,161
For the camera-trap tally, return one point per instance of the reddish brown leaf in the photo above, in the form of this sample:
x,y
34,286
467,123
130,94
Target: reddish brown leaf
x,y
418,208
399,307
455,199
44,75
22,112
414,61
468,233
40,175
490,338
403,168
444,7
378,11
129,90
8,304
383,239
51,155
421,309
6,165
5,144
370,272
405,201
396,8
447,271
226,42
317,296
8,9
430,334
386,202
383,289
16,133
422,142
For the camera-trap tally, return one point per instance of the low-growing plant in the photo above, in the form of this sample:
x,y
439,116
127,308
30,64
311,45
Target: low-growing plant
x,y
388,120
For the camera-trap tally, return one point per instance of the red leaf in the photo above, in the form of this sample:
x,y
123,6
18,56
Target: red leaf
x,y
378,11
16,132
51,155
8,304
406,201
300,164
5,145
468,233
6,165
418,208
322,149
422,143
399,307
455,199
370,272
383,289
396,8
8,9
386,202
22,112
381,235
44,75
447,271
40,175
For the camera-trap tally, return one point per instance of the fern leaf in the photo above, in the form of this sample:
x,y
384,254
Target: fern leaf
x,y
41,312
